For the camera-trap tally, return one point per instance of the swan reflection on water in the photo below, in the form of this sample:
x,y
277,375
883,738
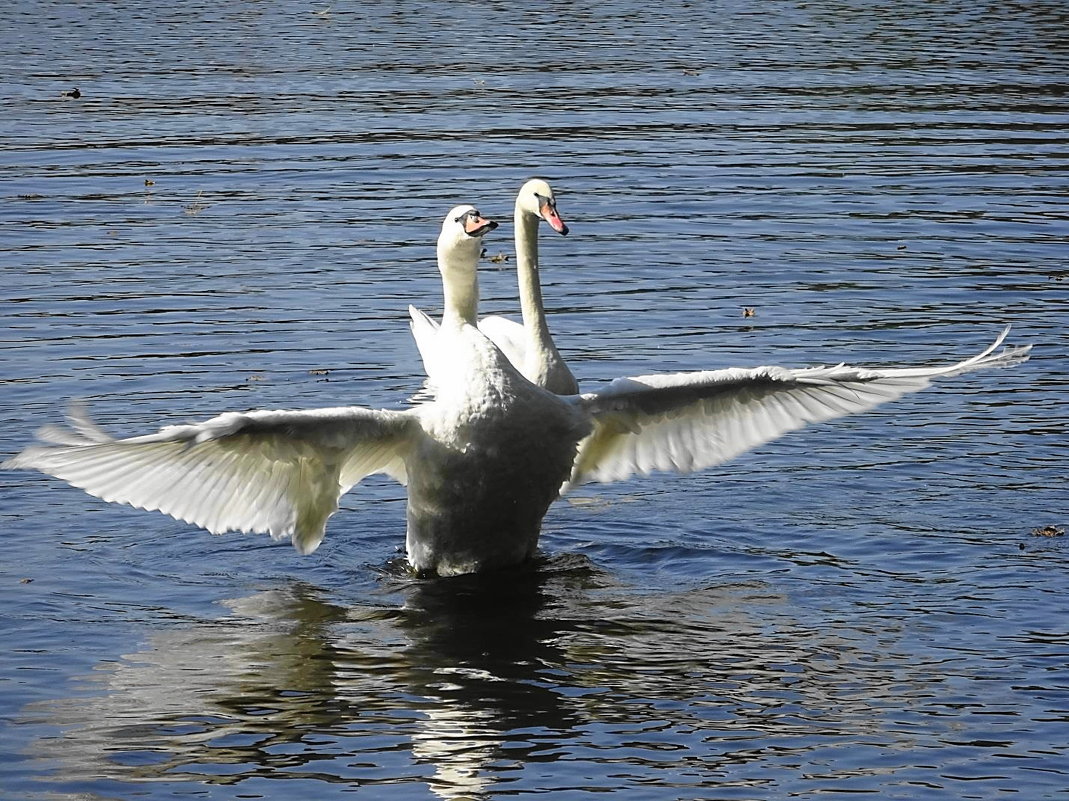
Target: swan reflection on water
x,y
461,687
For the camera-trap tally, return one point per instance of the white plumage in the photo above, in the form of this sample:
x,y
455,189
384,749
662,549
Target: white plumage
x,y
273,472
529,347
483,460
689,421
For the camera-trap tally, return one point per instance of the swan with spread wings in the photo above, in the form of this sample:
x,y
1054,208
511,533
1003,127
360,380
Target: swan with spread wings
x,y
483,460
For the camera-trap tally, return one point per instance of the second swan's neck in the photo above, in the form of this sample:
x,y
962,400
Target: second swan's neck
x,y
534,315
544,365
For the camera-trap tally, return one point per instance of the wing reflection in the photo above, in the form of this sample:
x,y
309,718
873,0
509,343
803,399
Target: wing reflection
x,y
288,685
462,687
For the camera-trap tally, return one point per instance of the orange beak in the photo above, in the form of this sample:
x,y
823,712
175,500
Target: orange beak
x,y
477,225
549,213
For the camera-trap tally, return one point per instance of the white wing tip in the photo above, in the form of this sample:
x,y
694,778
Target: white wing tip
x,y
22,461
1007,357
79,432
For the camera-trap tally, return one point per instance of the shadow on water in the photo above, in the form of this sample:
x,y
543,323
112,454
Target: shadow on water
x,y
456,688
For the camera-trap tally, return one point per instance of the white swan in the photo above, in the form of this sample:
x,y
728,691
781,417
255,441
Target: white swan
x,y
528,346
483,461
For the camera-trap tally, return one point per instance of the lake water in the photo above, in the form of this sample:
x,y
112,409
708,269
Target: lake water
x,y
236,212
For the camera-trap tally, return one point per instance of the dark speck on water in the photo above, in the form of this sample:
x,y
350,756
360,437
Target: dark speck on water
x,y
857,608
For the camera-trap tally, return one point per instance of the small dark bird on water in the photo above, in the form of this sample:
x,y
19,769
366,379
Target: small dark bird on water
x,y
75,93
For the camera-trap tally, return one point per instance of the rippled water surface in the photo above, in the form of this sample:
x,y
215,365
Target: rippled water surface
x,y
236,212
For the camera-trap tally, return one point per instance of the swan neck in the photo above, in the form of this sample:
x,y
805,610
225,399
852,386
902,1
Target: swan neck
x,y
460,288
531,306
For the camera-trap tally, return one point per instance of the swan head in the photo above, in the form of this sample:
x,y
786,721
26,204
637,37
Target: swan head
x,y
537,199
462,232
463,227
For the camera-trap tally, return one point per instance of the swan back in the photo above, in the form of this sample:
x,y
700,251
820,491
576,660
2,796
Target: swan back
x,y
495,448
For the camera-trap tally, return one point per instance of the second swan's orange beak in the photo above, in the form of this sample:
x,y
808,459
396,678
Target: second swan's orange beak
x,y
548,209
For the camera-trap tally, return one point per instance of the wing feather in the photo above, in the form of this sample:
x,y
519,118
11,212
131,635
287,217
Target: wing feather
x,y
274,472
425,333
688,421
506,334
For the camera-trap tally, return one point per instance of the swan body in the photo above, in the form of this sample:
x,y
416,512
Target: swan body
x,y
495,448
482,461
494,457
528,346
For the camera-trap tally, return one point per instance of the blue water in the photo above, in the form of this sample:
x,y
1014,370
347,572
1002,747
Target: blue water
x,y
235,214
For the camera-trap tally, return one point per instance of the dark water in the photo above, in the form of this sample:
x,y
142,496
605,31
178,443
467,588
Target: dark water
x,y
235,214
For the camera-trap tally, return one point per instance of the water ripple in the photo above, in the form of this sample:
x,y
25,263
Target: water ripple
x,y
236,211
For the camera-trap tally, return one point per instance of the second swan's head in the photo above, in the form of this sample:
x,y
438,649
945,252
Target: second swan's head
x,y
536,198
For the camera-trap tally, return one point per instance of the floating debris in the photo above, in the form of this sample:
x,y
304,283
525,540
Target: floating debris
x,y
1048,531
149,182
319,372
500,257
196,207
748,311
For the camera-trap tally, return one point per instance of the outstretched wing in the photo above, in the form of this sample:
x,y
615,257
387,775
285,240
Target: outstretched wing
x,y
274,472
687,421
